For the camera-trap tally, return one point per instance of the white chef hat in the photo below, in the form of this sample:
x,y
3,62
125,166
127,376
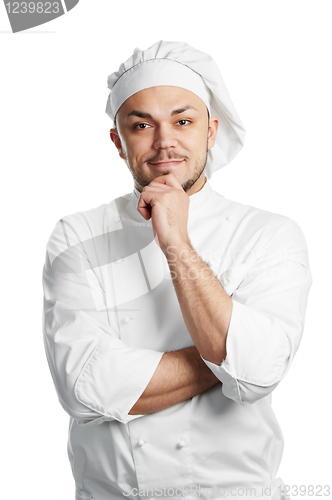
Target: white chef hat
x,y
180,65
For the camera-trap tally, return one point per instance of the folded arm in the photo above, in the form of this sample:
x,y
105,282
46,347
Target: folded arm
x,y
179,376
96,375
249,339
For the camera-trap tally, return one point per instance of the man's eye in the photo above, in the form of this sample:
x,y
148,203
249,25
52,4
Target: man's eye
x,y
183,122
141,126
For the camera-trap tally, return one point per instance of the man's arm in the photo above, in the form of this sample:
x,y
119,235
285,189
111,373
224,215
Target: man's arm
x,y
97,376
249,340
205,305
179,376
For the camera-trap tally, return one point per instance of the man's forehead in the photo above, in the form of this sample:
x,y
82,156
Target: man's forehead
x,y
169,99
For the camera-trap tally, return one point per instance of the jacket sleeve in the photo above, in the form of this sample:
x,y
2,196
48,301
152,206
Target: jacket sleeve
x,y
97,377
267,319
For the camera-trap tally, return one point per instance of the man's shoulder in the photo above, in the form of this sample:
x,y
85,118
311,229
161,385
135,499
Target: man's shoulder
x,y
252,216
83,225
95,217
258,228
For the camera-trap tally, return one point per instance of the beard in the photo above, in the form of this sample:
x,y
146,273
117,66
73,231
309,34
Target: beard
x,y
143,180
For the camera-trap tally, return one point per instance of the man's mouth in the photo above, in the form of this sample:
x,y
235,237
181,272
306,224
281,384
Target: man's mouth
x,y
167,163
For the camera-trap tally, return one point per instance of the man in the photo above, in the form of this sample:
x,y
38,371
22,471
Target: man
x,y
172,313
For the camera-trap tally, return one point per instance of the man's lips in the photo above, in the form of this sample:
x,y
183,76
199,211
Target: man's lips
x,y
169,163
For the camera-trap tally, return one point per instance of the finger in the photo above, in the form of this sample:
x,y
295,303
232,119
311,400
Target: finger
x,y
158,187
145,212
169,180
144,204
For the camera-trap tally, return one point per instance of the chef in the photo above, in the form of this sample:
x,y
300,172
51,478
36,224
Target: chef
x,y
172,313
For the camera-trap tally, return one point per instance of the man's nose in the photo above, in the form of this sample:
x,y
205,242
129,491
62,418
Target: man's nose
x,y
165,137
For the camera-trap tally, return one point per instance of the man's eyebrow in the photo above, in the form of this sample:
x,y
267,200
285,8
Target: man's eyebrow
x,y
142,114
182,110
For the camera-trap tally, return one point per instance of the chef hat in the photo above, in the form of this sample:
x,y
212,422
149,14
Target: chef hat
x,y
180,65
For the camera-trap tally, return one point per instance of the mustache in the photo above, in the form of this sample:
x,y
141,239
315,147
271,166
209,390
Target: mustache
x,y
162,157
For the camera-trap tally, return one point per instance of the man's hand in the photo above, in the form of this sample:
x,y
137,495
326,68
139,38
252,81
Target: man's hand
x,y
165,201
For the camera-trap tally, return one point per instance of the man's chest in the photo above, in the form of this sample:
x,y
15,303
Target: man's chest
x,y
134,281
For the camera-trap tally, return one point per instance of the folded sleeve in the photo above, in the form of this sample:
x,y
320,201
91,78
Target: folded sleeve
x,y
267,319
96,375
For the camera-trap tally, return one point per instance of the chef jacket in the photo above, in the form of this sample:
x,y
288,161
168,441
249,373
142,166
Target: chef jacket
x,y
111,311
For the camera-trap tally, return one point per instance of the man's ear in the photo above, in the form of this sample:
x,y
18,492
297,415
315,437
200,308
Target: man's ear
x,y
212,131
115,138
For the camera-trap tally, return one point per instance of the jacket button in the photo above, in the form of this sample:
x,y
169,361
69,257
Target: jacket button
x,y
140,442
229,218
181,443
116,218
126,319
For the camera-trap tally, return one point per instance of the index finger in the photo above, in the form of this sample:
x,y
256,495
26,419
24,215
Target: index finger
x,y
169,180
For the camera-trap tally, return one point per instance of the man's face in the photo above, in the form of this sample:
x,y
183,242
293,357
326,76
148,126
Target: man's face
x,y
165,129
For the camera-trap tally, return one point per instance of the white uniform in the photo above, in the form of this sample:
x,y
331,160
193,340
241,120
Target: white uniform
x,y
111,312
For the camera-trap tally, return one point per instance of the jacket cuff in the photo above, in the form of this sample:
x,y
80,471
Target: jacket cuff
x,y
257,348
230,385
111,384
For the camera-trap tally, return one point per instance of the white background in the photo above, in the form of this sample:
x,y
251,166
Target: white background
x,y
57,158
